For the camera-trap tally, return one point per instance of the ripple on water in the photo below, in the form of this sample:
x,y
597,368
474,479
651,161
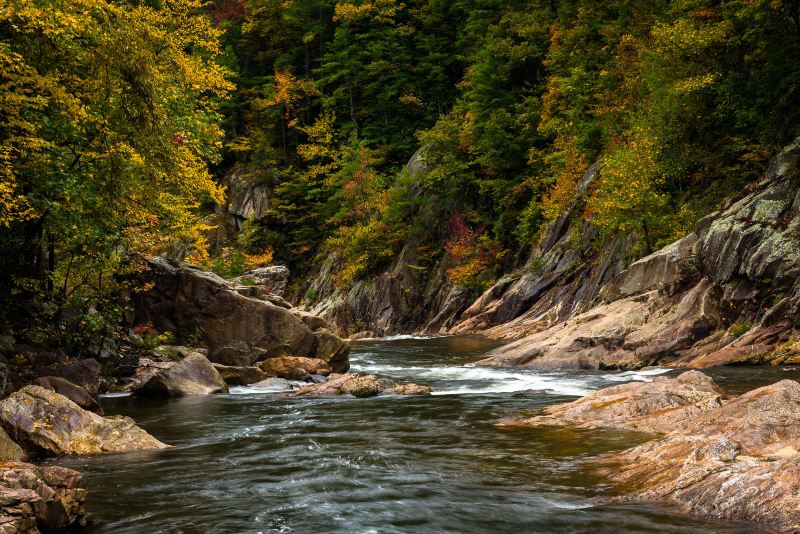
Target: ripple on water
x,y
258,461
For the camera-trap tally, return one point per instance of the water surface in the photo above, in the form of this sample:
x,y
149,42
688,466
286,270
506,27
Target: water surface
x,y
258,461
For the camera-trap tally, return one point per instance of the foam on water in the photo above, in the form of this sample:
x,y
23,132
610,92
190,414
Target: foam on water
x,y
251,390
473,379
116,394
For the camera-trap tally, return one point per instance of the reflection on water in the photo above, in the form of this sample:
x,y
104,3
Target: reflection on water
x,y
261,462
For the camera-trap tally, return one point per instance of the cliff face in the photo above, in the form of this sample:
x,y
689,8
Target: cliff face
x,y
563,275
403,299
727,293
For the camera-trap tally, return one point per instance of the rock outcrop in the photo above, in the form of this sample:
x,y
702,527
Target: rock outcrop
x,y
740,461
45,498
44,422
361,386
716,456
411,294
193,375
727,293
238,329
640,406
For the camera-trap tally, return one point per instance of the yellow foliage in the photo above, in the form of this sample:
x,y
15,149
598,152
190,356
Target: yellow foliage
x,y
108,120
254,261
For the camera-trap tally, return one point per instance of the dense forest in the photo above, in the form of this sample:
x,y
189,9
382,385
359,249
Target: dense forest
x,y
121,119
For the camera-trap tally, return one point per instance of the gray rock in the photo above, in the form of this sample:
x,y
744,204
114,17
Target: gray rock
x,y
194,375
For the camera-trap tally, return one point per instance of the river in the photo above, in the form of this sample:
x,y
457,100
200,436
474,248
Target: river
x,y
256,461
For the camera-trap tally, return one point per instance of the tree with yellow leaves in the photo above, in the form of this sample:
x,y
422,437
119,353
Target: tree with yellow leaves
x,y
107,124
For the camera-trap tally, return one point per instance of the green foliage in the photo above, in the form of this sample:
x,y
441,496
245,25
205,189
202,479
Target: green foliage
x,y
739,329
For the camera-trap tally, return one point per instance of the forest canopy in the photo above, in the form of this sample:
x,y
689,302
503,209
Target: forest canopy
x,y
121,121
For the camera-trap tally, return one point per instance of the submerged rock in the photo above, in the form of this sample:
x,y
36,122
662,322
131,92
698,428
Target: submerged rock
x,y
43,421
76,394
194,375
641,406
361,386
35,498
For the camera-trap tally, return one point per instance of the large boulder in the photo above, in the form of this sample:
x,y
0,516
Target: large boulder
x,y
40,498
739,461
361,386
714,456
193,375
43,421
84,373
641,406
333,350
284,366
240,376
239,330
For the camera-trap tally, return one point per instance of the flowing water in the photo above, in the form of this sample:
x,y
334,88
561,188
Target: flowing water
x,y
258,461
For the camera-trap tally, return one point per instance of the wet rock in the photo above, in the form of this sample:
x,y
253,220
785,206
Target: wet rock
x,y
84,373
285,366
641,406
240,376
194,375
239,330
43,421
76,394
298,375
361,386
40,498
409,389
739,461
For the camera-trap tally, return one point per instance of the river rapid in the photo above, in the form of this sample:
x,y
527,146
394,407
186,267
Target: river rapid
x,y
255,461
